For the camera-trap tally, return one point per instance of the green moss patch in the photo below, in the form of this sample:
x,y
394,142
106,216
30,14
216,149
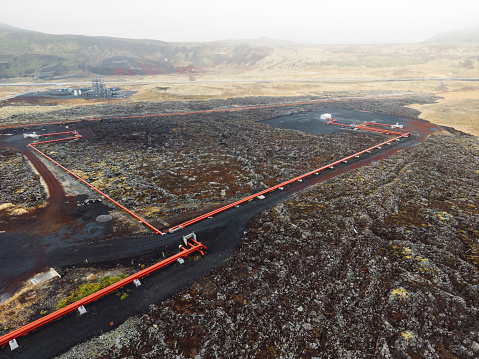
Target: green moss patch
x,y
84,290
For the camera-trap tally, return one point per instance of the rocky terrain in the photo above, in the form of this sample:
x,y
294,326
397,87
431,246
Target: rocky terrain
x,y
381,262
169,168
20,186
34,301
119,108
168,165
162,166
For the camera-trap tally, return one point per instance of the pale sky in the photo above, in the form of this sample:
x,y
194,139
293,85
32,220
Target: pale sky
x,y
303,21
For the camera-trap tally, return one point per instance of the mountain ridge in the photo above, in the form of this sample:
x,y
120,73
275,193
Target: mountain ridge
x,y
31,53
26,53
468,35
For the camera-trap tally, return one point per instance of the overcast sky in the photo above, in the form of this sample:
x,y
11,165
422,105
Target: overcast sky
x,y
305,21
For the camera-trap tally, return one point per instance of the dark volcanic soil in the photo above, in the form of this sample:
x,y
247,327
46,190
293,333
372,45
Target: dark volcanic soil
x,y
381,262
19,184
164,166
320,275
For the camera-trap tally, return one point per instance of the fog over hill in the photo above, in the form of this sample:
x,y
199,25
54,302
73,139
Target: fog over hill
x,y
31,54
470,34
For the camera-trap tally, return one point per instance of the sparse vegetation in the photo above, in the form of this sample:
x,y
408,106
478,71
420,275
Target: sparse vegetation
x,y
334,273
21,188
164,166
84,290
381,262
454,109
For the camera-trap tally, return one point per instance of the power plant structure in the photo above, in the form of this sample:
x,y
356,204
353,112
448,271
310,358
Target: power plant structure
x,y
99,88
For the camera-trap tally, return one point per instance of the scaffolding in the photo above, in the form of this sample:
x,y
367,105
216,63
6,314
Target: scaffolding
x,y
99,87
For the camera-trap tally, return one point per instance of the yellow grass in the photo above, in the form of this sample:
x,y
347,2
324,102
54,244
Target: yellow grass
x,y
6,91
300,70
455,109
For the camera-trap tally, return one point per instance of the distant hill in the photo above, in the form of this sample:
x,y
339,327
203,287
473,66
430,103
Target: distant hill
x,y
40,55
31,54
470,35
6,28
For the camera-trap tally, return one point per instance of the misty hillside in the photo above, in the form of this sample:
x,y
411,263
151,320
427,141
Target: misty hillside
x,y
35,54
470,35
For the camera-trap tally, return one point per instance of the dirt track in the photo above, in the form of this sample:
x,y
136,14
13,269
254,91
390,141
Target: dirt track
x,y
65,257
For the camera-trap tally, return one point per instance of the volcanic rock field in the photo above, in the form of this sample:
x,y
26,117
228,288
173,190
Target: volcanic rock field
x,y
21,187
171,165
379,262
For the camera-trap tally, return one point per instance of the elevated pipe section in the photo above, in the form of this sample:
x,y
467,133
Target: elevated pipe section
x,y
141,220
48,123
366,126
388,132
59,133
281,185
261,107
193,247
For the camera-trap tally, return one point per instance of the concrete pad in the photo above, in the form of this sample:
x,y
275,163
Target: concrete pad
x,y
13,344
43,277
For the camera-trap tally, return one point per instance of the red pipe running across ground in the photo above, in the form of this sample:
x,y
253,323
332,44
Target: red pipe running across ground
x,y
197,219
259,107
364,126
389,132
212,111
209,214
59,133
97,295
377,124
49,123
185,252
32,145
